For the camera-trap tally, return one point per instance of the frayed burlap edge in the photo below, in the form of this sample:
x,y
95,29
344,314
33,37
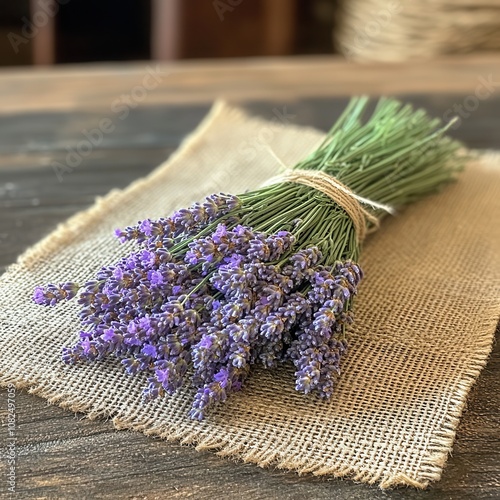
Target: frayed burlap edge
x,y
441,444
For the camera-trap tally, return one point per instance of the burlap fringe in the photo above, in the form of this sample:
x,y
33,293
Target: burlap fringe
x,y
441,444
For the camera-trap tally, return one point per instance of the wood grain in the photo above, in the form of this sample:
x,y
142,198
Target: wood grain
x,y
63,455
97,86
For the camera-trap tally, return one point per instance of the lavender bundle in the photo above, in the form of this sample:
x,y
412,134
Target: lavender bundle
x,y
264,277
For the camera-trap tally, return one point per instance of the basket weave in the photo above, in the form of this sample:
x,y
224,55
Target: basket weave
x,y
396,30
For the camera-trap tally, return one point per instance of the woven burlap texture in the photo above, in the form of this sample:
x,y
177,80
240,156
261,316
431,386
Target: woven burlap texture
x,y
425,320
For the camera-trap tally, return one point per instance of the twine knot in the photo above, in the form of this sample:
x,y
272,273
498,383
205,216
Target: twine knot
x,y
349,201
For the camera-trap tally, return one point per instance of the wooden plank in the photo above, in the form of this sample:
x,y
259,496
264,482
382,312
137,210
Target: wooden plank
x,y
43,17
166,29
278,79
62,455
280,17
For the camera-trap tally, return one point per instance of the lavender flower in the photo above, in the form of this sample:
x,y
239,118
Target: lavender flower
x,y
51,294
266,277
220,302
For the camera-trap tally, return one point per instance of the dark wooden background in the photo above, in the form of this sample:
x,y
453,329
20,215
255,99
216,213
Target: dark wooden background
x,y
64,455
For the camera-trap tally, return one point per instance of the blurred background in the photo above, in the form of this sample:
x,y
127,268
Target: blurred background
x,y
41,32
70,31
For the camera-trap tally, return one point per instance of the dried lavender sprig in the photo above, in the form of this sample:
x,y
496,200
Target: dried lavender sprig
x,y
256,278
253,321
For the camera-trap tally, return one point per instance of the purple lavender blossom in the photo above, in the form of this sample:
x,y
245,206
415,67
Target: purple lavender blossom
x,y
51,294
220,302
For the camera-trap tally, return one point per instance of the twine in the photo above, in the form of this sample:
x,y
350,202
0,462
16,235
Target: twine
x,y
349,201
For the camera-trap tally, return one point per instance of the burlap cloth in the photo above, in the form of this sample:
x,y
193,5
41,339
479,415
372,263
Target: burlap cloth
x,y
426,318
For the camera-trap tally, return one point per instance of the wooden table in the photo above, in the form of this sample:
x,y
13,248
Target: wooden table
x,y
44,112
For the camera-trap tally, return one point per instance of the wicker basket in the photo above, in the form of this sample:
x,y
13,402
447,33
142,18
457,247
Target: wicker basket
x,y
395,30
